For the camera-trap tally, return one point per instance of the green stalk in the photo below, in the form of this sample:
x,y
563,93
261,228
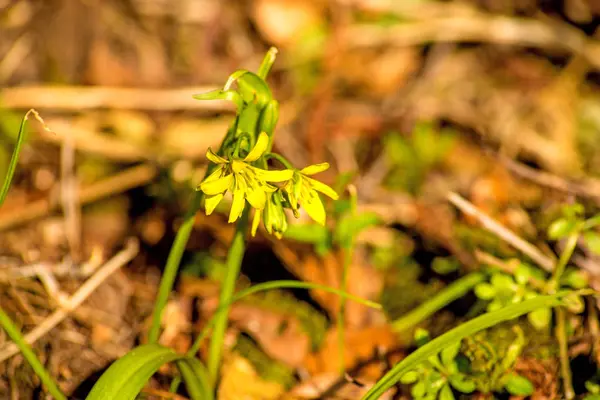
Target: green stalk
x,y
348,253
561,328
342,311
262,287
234,263
170,272
15,335
563,346
446,296
565,256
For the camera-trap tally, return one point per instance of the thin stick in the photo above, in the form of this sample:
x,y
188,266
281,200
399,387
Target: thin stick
x,y
77,98
503,233
475,27
121,182
589,188
119,260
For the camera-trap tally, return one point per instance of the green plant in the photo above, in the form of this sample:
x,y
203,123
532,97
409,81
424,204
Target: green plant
x,y
491,365
435,378
471,327
7,324
527,282
240,168
413,157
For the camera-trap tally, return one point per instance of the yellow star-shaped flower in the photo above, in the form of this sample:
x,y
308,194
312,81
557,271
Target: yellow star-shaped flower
x,y
245,181
302,190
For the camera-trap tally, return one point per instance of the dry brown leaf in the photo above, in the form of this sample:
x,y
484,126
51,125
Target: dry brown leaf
x,y
318,385
240,381
361,345
289,345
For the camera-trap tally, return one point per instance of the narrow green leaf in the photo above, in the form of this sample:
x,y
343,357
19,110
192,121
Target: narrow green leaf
x,y
351,225
561,228
461,383
485,291
13,161
15,335
518,385
195,376
469,328
409,377
592,241
449,353
307,233
540,318
446,393
127,376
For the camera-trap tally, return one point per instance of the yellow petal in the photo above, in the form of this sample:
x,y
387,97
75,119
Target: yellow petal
x,y
323,188
212,156
315,169
212,202
238,166
237,207
256,221
261,146
216,186
314,207
256,197
239,200
274,175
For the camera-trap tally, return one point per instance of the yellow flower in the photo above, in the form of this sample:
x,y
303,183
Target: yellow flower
x,y
273,215
245,181
302,190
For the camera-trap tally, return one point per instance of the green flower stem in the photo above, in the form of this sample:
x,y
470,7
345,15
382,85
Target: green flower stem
x,y
263,287
15,335
281,159
446,296
173,261
561,328
348,254
234,263
565,256
565,368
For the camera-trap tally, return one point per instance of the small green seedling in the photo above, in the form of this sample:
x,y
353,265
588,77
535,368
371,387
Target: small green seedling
x,y
528,282
435,378
593,389
492,369
453,369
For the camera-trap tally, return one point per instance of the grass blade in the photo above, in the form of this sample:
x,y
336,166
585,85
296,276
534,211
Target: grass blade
x,y
13,160
468,328
195,376
127,376
13,332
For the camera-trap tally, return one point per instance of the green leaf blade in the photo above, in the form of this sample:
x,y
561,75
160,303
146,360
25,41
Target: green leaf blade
x,y
469,328
126,377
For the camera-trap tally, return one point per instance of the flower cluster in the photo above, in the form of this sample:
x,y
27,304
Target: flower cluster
x,y
258,186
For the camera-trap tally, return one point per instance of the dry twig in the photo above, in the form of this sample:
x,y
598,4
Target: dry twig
x,y
123,181
74,98
503,233
71,303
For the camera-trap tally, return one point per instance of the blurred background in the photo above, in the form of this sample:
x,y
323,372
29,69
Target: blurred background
x,y
410,99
